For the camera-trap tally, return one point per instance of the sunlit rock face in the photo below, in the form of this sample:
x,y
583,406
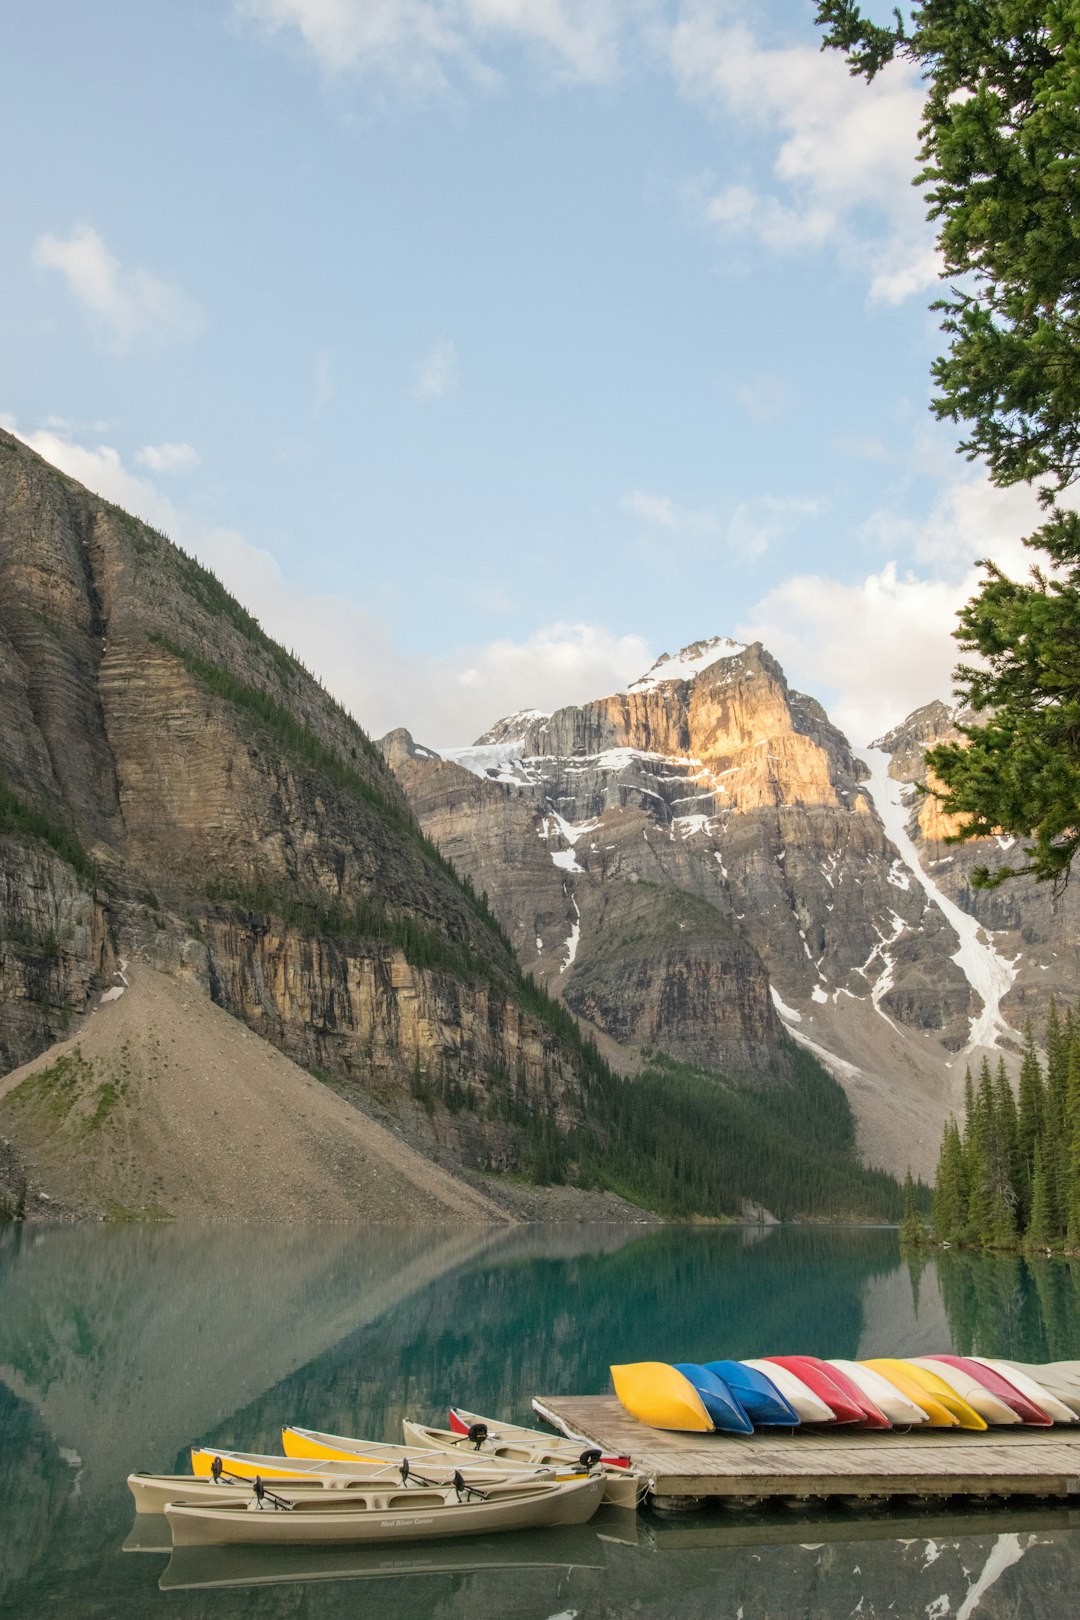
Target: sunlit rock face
x,y
701,860
202,803
1031,924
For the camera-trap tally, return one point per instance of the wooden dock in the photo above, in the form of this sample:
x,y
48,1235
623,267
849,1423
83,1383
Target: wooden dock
x,y
687,1469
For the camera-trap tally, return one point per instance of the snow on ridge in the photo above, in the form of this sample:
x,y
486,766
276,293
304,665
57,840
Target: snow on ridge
x,y
988,974
688,662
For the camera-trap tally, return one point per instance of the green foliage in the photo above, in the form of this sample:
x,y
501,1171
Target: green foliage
x,y
912,1228
19,817
1014,1176
1001,166
685,1142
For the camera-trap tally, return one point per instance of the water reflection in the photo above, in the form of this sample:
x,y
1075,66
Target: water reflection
x,y
121,1346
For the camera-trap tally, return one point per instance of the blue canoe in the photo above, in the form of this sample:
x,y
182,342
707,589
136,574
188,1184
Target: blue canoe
x,y
722,1406
757,1395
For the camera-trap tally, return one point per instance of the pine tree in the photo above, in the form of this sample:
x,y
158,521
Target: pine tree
x,y
1072,1127
978,1159
911,1226
1055,1138
950,1188
1029,1123
1038,1229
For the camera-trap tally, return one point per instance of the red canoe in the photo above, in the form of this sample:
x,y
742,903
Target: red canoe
x,y
824,1384
1025,1409
872,1416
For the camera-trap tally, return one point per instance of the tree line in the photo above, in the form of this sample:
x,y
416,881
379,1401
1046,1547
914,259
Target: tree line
x,y
1011,1177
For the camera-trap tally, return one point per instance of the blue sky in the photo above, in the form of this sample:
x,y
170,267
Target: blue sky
x,y
488,348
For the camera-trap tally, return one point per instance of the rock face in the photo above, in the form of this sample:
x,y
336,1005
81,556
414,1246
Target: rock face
x,y
174,786
1031,926
700,861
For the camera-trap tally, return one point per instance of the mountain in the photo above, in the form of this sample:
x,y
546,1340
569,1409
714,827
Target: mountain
x,y
1035,930
177,789
703,865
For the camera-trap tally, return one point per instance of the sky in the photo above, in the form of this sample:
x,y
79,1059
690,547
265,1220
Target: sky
x,y
487,349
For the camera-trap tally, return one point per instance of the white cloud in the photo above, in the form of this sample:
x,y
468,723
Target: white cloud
x,y
875,648
845,153
428,45
123,304
436,375
746,527
448,700
766,398
170,457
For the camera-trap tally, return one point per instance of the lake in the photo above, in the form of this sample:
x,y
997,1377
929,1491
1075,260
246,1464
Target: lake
x,y
120,1346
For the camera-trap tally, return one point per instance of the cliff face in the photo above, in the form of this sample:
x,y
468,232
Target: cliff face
x,y
1033,927
700,861
176,787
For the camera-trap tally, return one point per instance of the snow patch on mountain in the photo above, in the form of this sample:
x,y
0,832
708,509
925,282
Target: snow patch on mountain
x,y
690,661
988,974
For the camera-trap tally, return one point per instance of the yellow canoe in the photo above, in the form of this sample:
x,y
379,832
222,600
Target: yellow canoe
x,y
660,1396
900,1374
962,1410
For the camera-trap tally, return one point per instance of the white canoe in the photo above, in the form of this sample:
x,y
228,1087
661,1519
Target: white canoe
x,y
809,1408
895,1405
1032,1388
512,1443
1057,1377
382,1516
989,1406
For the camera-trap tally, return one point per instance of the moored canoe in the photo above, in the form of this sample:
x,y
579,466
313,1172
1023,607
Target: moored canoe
x,y
381,1516
656,1394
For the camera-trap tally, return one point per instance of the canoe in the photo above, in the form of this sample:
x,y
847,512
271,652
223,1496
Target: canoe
x,y
1054,1377
900,1411
463,1422
152,1492
758,1396
721,1404
624,1488
935,1386
903,1377
656,1394
995,1385
978,1395
810,1408
386,1469
386,1515
842,1407
1054,1409
872,1415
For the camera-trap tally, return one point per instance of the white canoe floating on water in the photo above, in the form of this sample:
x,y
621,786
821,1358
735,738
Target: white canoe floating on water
x,y
375,1516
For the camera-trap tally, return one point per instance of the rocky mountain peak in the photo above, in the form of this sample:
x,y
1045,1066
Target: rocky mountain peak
x,y
688,662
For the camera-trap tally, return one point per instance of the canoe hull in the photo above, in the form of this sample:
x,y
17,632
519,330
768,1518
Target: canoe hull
x,y
718,1400
806,1404
661,1397
758,1395
386,1517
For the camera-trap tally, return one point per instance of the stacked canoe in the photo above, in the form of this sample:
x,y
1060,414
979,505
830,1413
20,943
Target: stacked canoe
x,y
475,1477
885,1392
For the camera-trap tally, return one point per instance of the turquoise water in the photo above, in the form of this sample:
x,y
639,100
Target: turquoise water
x,y
120,1347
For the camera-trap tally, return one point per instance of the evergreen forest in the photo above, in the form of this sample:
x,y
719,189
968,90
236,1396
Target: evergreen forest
x,y
1011,1177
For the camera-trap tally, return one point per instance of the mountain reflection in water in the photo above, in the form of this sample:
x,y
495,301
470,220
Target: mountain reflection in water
x,y
119,1347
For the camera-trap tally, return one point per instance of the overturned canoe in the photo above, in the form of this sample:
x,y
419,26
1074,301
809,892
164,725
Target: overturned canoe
x,y
759,1396
655,1393
843,1408
872,1416
381,1516
809,1407
982,1389
722,1405
936,1386
1058,1378
900,1411
1056,1410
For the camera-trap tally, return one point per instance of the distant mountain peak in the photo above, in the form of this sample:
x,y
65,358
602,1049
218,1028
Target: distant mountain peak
x,y
687,662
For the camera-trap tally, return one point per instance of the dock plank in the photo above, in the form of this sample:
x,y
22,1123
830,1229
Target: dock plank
x,y
841,1462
